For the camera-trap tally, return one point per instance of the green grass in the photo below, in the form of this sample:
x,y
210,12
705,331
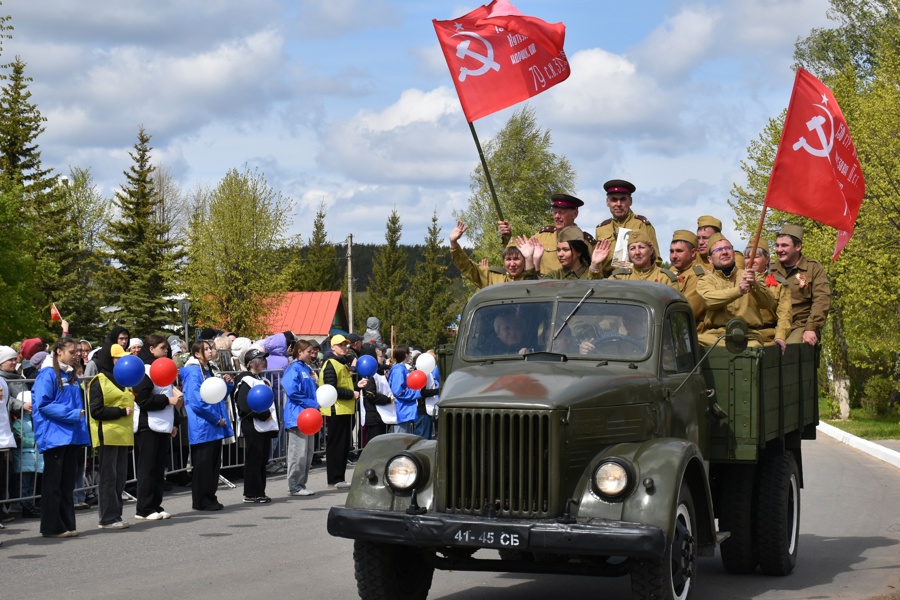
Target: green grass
x,y
864,423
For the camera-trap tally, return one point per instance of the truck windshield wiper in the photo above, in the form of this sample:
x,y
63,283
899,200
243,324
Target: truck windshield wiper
x,y
574,310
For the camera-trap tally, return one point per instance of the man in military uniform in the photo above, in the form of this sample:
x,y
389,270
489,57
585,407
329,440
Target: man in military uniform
x,y
683,256
618,200
806,279
482,276
778,322
565,211
706,227
728,292
642,256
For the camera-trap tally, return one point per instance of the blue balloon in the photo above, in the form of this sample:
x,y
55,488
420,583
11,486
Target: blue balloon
x,y
260,398
366,365
128,371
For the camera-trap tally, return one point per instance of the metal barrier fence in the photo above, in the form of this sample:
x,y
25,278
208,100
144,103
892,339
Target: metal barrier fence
x,y
15,489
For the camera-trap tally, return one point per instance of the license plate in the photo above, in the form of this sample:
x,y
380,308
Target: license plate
x,y
488,536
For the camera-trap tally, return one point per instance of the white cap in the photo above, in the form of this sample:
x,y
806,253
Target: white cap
x,y
135,342
7,353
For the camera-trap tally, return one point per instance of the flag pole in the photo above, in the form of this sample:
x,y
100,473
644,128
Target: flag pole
x,y
487,173
762,220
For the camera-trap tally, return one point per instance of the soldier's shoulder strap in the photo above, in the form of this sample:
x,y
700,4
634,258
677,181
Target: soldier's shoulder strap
x,y
548,229
605,223
589,238
621,271
780,278
643,220
669,274
699,271
498,270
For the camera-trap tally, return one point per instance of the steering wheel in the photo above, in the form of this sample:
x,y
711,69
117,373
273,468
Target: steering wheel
x,y
636,348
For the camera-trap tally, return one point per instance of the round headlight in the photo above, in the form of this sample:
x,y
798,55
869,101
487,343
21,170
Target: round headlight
x,y
402,472
611,479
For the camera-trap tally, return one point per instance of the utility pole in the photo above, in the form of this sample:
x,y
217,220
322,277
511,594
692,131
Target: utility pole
x,y
350,282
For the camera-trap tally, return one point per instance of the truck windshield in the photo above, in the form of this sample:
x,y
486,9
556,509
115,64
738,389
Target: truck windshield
x,y
597,330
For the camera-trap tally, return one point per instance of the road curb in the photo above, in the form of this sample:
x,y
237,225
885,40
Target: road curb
x,y
880,452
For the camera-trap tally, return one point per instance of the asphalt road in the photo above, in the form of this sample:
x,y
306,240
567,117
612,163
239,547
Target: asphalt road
x,y
849,549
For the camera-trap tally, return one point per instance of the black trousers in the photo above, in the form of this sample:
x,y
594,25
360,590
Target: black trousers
x,y
337,447
57,504
206,461
150,451
257,447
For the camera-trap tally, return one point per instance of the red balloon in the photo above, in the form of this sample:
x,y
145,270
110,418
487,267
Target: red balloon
x,y
163,371
416,380
309,421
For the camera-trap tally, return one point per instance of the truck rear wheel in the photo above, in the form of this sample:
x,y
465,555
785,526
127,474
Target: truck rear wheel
x,y
736,514
778,514
391,571
672,578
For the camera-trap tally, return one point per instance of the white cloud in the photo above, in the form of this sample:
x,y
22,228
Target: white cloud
x,y
674,48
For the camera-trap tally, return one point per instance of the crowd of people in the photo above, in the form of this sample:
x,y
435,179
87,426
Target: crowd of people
x,y
783,301
59,400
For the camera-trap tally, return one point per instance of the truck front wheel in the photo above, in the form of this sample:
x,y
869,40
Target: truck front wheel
x,y
673,577
778,514
391,571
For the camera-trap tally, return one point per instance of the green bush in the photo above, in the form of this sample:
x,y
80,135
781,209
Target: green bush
x,y
877,393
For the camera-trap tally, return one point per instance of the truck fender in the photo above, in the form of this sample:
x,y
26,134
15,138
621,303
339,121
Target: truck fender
x,y
373,493
663,463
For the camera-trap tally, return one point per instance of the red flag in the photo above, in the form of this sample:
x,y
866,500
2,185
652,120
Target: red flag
x,y
817,172
54,313
499,57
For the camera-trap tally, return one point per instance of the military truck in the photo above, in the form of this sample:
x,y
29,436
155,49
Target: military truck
x,y
584,431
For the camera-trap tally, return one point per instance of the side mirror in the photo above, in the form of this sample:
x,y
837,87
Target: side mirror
x,y
736,335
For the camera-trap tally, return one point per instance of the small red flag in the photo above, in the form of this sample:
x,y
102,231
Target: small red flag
x,y
817,172
54,313
499,57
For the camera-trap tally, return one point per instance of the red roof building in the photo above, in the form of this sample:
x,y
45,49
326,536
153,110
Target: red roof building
x,y
308,314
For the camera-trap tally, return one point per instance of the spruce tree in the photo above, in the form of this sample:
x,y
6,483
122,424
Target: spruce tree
x,y
388,294
141,257
432,299
317,268
20,126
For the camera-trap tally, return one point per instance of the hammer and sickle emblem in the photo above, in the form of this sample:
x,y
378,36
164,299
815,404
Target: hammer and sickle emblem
x,y
487,60
815,124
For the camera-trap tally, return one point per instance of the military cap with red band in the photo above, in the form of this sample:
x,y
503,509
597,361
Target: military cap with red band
x,y
619,186
565,201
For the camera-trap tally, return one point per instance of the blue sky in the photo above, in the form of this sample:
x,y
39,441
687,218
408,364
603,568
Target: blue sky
x,y
350,102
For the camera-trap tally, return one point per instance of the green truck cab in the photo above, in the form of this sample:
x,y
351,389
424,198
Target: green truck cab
x,y
583,431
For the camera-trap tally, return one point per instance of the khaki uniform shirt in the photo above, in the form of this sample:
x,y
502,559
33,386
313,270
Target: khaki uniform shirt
x,y
687,285
780,318
582,272
609,230
724,301
654,274
480,276
810,294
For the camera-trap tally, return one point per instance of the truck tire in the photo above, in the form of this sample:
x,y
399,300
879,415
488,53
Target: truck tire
x,y
391,571
736,512
672,578
778,514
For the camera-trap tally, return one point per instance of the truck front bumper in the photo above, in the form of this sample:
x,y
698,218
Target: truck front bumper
x,y
597,537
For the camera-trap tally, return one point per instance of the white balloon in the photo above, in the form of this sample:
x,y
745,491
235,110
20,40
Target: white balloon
x,y
426,363
326,396
213,390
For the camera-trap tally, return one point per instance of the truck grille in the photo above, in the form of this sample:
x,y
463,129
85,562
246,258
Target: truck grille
x,y
496,462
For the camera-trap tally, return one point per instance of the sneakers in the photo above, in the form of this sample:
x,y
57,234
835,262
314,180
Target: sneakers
x,y
257,500
64,534
82,506
302,492
164,515
151,517
116,525
216,506
341,485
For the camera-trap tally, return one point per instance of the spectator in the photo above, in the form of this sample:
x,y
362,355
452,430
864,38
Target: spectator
x,y
407,399
118,335
60,431
111,405
373,397
373,331
135,345
238,347
225,360
208,425
27,461
278,347
7,442
155,419
86,348
256,427
339,417
299,386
